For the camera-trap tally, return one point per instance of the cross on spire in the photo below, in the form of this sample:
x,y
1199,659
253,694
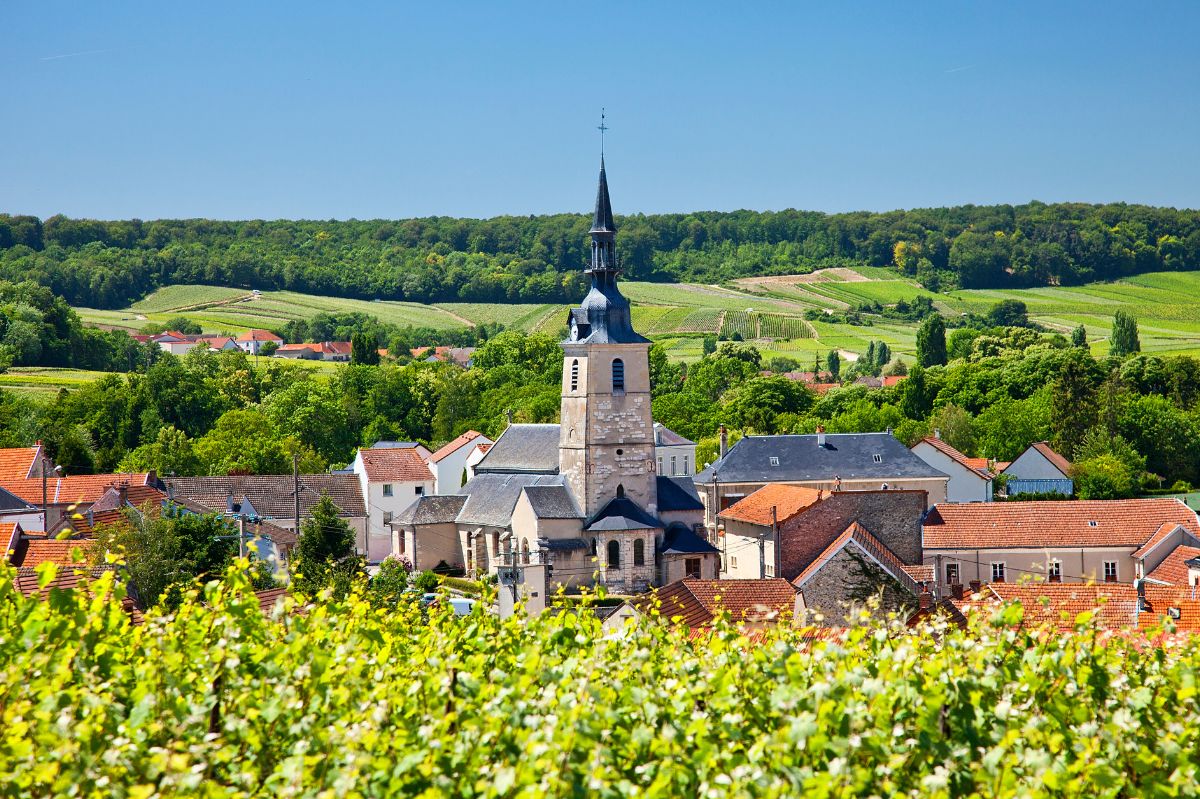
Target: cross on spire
x,y
602,127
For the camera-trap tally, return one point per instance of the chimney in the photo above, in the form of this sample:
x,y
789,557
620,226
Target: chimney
x,y
724,433
122,494
975,586
925,600
937,433
1141,595
820,435
508,414
956,590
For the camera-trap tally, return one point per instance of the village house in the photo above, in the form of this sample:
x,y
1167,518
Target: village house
x,y
252,341
174,342
1039,470
829,462
580,501
391,479
970,478
675,455
21,463
274,499
449,463
298,352
1056,541
67,496
475,456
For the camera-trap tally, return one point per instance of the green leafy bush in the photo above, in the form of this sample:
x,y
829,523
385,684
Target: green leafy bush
x,y
221,699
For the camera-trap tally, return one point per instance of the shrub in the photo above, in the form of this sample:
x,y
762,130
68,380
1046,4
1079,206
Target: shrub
x,y
426,582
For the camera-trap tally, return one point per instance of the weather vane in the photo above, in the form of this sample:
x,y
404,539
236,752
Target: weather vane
x,y
602,128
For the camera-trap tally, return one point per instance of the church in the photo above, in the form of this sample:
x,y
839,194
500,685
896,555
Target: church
x,y
585,497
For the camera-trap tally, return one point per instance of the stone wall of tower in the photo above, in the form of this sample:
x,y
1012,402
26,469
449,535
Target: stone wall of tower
x,y
607,437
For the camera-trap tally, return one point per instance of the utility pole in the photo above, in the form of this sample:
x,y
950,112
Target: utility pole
x,y
241,536
762,554
774,541
296,488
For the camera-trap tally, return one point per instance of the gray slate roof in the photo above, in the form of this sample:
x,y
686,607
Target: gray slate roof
x,y
681,540
622,513
271,495
10,503
850,456
431,509
666,437
523,449
552,502
677,493
492,497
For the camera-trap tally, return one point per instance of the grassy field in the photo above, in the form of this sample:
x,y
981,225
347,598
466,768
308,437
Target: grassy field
x,y
769,311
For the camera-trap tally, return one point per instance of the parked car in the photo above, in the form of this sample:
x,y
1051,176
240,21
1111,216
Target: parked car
x,y
462,605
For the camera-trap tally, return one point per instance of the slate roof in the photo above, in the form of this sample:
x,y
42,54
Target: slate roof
x,y
455,445
1068,523
431,509
622,513
271,494
787,500
262,529
523,449
492,497
976,465
564,544
19,463
698,602
395,464
850,456
677,494
682,540
552,502
1173,568
10,502
666,437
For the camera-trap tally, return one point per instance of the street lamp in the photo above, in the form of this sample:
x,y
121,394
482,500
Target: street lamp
x,y
58,470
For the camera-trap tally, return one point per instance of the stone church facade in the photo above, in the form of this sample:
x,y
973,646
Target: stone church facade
x,y
582,496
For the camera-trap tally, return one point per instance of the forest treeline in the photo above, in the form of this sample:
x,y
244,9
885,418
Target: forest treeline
x,y
109,264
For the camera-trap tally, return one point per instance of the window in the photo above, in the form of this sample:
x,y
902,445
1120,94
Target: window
x,y
639,552
524,551
1110,571
618,375
614,554
685,465
732,562
419,490
1054,571
674,466
660,465
774,461
593,547
877,458
387,489
1092,524
574,375
770,570
387,517
620,490
998,572
691,569
952,574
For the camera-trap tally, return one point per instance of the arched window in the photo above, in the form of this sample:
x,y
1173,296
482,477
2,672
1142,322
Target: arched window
x,y
593,547
574,375
620,490
618,374
525,550
614,554
639,552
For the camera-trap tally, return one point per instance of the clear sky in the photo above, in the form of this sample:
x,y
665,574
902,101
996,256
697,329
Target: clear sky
x,y
255,109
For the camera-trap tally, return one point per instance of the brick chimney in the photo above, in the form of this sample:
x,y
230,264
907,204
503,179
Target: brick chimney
x,y
937,433
925,600
820,435
975,586
956,590
724,433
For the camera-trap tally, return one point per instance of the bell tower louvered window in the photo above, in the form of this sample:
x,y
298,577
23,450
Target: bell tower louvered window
x,y
618,375
574,375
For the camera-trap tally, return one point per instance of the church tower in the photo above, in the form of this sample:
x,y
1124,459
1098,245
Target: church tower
x,y
606,444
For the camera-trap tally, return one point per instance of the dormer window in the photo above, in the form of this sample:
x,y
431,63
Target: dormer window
x,y
774,461
1092,524
877,458
618,375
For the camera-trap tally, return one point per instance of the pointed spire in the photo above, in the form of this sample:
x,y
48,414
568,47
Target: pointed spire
x,y
602,221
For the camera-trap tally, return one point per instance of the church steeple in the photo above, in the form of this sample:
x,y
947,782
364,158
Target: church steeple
x,y
602,220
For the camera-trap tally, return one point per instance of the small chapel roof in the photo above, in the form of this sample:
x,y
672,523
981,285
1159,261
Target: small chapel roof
x,y
492,497
622,513
552,502
523,449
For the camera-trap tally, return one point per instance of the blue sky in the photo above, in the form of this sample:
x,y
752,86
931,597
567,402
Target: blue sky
x,y
339,110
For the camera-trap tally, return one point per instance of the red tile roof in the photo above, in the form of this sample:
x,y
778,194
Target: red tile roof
x,y
1083,523
32,551
454,445
18,463
135,495
698,602
1059,462
867,543
83,489
9,534
977,465
920,573
1057,605
84,523
399,464
892,380
1173,569
258,335
68,579
787,500
335,347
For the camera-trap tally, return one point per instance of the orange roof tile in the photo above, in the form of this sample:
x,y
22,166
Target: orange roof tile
x,y
1056,605
787,500
454,445
977,465
1082,523
892,380
9,535
867,542
401,464
18,463
68,579
32,551
258,335
699,601
1060,463
81,489
1173,568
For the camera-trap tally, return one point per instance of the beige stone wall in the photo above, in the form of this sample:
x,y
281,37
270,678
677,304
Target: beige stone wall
x,y
740,550
607,438
429,544
1078,565
674,567
626,578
